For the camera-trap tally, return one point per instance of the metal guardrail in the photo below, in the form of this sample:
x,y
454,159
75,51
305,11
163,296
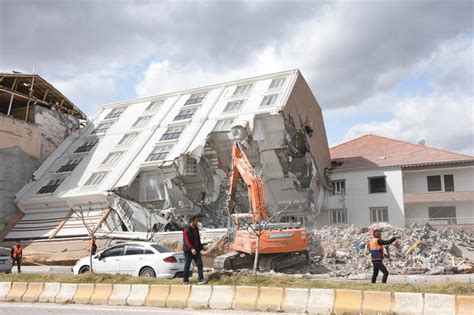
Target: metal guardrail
x,y
441,221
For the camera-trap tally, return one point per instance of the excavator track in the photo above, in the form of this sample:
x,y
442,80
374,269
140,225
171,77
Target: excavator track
x,y
267,262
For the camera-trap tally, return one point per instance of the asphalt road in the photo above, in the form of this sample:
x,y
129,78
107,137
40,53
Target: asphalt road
x,y
53,309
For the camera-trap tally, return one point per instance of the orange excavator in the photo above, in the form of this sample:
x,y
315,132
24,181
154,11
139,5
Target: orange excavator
x,y
281,245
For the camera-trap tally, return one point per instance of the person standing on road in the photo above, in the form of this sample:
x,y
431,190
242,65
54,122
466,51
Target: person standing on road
x,y
92,247
17,255
377,254
192,250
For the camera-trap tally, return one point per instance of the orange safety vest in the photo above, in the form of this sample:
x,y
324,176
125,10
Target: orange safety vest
x,y
376,250
17,252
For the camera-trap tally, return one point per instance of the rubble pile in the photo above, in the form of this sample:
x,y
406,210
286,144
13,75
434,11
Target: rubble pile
x,y
420,249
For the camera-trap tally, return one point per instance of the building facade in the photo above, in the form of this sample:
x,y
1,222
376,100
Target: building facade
x,y
377,179
142,165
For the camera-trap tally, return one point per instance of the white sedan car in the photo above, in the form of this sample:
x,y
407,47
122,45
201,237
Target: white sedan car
x,y
135,258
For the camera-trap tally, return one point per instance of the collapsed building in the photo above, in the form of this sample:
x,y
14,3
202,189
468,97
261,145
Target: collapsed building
x,y
35,118
146,165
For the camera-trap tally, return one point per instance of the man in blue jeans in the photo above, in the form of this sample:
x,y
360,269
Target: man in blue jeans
x,y
192,250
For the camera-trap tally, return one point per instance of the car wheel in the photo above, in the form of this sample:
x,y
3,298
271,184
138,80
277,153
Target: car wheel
x,y
147,272
84,269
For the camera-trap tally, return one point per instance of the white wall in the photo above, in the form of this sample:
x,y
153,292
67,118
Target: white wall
x,y
464,211
358,200
416,182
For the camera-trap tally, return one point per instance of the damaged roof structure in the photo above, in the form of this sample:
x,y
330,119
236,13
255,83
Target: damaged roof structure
x,y
35,118
148,164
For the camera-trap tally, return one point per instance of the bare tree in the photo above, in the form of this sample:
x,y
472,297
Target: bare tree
x,y
92,227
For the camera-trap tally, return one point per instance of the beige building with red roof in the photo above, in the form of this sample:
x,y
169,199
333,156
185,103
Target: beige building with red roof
x,y
378,179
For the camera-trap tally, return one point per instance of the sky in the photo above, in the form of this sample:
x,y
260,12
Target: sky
x,y
402,69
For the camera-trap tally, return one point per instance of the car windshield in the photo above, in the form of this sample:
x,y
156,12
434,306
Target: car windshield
x,y
4,252
161,249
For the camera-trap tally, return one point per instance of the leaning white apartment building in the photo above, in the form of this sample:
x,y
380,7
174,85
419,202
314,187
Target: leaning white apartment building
x,y
378,179
148,164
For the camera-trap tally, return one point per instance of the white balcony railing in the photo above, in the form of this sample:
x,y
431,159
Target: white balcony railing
x,y
441,221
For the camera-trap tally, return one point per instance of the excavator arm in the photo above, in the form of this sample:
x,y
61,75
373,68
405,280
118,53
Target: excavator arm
x,y
241,167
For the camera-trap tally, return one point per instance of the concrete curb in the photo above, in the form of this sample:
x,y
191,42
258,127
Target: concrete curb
x,y
4,289
313,301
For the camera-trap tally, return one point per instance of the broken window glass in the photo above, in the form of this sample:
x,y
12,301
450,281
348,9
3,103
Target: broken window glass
x,y
339,187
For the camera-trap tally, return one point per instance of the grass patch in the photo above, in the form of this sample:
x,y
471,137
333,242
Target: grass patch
x,y
247,279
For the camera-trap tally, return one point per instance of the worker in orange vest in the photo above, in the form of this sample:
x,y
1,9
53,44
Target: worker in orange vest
x,y
17,255
92,247
377,253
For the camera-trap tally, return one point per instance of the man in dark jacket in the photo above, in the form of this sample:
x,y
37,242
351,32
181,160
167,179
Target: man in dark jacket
x,y
377,254
192,250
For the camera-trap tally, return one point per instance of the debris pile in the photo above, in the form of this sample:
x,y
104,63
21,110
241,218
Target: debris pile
x,y
420,249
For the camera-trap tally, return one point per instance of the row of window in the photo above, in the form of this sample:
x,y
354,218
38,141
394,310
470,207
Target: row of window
x,y
379,185
377,214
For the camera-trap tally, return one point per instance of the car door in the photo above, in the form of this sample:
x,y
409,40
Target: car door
x,y
132,259
109,260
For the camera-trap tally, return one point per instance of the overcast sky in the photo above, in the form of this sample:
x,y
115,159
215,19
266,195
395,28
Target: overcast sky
x,y
402,69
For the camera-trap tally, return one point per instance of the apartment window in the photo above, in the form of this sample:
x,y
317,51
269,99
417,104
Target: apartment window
x,y
234,106
277,83
159,153
69,166
96,179
172,133
379,214
87,146
51,186
442,215
142,122
337,216
115,113
154,106
243,89
185,114
128,139
224,124
195,99
113,158
269,100
102,128
434,183
339,187
448,183
377,185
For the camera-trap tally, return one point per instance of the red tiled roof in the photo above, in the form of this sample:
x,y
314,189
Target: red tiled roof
x,y
439,197
375,151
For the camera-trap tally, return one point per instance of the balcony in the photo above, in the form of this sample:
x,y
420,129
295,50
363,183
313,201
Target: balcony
x,y
439,197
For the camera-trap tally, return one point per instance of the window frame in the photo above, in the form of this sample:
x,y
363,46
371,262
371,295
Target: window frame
x,y
125,253
370,186
185,113
446,187
338,191
162,155
103,254
90,182
138,123
273,84
195,99
115,112
112,162
434,189
51,186
243,90
343,215
102,128
69,167
231,122
274,97
154,106
377,212
130,141
86,146
230,106
171,133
